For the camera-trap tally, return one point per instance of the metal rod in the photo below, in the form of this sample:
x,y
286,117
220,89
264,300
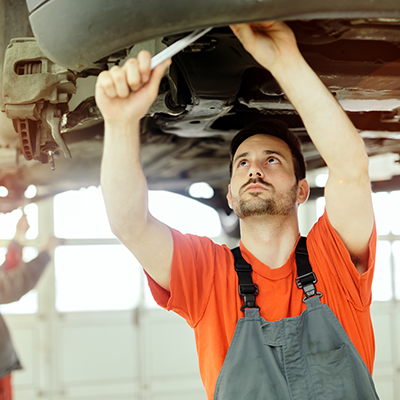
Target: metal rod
x,y
175,48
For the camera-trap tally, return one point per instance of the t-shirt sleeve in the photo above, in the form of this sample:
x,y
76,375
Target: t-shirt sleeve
x,y
192,277
13,257
327,250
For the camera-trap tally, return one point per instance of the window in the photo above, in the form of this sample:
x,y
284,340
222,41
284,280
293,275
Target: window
x,y
396,255
81,214
386,285
382,283
96,277
93,276
184,214
387,275
8,222
320,206
383,212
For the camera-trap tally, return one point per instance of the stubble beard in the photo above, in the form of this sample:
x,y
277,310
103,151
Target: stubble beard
x,y
277,204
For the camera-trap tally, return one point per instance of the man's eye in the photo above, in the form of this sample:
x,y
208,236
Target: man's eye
x,y
272,160
242,163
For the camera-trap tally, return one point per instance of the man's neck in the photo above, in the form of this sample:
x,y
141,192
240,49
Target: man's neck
x,y
270,239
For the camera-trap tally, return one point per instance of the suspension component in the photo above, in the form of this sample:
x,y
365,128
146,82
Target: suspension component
x,y
35,96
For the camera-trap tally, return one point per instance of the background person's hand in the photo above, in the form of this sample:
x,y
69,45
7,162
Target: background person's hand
x,y
22,228
124,94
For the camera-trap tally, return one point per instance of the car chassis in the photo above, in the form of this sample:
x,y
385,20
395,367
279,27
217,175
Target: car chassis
x,y
212,89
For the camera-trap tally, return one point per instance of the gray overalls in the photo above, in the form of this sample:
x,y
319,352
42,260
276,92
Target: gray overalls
x,y
299,358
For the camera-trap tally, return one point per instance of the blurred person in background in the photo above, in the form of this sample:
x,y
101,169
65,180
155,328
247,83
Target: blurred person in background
x,y
16,279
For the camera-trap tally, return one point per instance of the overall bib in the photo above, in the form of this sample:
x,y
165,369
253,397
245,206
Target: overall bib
x,y
299,358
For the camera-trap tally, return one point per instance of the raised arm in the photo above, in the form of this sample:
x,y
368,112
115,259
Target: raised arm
x,y
17,277
14,251
19,280
124,95
348,190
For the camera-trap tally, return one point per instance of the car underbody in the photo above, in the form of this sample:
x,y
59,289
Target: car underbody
x,y
212,89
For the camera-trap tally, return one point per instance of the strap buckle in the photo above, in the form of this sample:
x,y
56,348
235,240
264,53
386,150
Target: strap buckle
x,y
248,291
248,288
307,279
306,282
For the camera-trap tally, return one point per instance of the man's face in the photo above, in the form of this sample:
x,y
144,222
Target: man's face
x,y
263,180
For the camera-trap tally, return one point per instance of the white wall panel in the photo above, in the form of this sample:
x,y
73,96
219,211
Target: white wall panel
x,y
383,338
93,353
26,342
387,340
170,356
97,355
170,342
25,334
385,389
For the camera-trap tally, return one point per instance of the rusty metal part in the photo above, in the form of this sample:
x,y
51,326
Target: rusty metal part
x,y
86,113
35,95
24,129
53,119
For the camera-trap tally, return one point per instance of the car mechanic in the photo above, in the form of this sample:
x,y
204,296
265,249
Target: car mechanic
x,y
308,332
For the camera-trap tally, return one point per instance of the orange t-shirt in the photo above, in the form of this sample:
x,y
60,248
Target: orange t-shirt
x,y
204,291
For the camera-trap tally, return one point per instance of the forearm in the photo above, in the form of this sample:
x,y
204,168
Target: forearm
x,y
124,95
327,124
123,182
21,279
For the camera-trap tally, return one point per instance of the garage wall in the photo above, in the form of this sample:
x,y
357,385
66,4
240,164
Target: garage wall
x,y
106,356
141,353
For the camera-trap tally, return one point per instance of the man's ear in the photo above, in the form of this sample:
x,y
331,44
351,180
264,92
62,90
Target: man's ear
x,y
229,197
303,192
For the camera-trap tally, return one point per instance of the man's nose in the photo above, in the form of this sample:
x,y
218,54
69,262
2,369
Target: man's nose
x,y
256,171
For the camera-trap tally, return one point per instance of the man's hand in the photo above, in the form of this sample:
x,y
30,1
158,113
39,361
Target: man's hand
x,y
22,228
124,94
271,43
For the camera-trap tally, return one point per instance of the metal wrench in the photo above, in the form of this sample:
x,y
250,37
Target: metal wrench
x,y
175,48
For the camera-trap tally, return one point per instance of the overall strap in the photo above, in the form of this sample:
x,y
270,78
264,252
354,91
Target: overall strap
x,y
247,289
306,278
